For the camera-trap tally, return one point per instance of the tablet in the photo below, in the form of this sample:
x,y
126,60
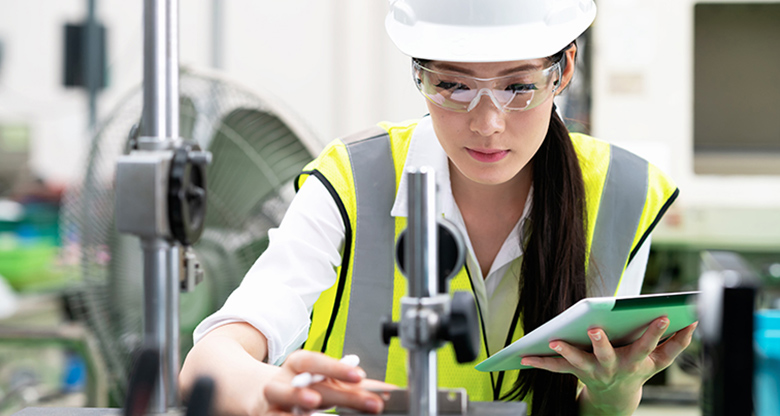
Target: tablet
x,y
624,319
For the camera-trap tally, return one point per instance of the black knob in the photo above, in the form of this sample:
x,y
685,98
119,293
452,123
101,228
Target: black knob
x,y
187,193
462,327
451,250
201,398
389,329
452,253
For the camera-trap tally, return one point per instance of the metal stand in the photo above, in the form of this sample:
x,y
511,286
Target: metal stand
x,y
161,195
423,305
427,312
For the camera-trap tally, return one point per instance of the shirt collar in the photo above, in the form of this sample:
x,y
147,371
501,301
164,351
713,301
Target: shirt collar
x,y
425,150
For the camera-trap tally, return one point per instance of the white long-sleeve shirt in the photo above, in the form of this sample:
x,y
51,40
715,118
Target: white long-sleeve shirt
x,y
280,289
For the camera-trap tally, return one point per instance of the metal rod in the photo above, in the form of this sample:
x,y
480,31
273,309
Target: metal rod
x,y
160,124
172,133
172,328
172,68
422,233
154,117
422,266
161,70
423,383
156,308
92,64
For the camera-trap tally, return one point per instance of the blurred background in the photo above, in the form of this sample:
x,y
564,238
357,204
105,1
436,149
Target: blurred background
x,y
265,85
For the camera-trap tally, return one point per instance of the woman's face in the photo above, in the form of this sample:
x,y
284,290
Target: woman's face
x,y
488,145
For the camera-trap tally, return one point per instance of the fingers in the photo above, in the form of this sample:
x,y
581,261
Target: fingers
x,y
353,397
315,363
283,396
334,383
554,364
572,360
602,348
672,347
578,358
576,361
323,395
645,345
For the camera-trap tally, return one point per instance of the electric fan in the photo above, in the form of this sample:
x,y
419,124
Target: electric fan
x,y
258,148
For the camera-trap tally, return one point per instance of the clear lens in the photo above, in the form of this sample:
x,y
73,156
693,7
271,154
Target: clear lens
x,y
520,91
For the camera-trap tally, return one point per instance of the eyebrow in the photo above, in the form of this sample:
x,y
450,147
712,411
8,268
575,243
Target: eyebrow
x,y
454,68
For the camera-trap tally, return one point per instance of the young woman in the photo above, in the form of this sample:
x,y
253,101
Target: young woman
x,y
549,217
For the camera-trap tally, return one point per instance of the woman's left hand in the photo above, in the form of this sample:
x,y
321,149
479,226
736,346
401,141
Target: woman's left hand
x,y
613,377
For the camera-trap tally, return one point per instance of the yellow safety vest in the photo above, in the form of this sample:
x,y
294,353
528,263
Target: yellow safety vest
x,y
625,198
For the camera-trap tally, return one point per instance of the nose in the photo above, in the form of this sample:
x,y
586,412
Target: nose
x,y
487,118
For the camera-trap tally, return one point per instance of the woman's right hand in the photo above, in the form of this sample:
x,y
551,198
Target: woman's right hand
x,y
343,386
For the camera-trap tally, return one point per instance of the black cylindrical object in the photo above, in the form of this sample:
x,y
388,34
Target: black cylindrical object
x,y
727,344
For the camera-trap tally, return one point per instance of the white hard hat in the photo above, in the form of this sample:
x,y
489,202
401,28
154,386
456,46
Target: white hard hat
x,y
486,30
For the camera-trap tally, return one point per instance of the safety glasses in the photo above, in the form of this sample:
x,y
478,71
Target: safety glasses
x,y
520,91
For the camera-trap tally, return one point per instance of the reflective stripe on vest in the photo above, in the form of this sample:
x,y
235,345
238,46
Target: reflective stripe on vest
x,y
372,268
362,178
622,200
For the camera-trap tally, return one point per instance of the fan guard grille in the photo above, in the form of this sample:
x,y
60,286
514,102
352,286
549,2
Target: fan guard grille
x,y
258,148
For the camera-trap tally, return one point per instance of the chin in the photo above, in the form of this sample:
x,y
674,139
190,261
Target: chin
x,y
492,178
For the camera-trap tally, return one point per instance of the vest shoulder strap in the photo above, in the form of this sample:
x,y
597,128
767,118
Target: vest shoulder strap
x,y
620,210
626,197
367,134
373,171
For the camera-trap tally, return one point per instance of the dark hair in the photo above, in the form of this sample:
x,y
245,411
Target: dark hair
x,y
553,269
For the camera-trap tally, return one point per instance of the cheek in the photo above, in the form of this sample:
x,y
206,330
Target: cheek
x,y
531,126
446,123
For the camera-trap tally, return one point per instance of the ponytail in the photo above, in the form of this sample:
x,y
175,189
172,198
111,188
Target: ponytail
x,y
553,270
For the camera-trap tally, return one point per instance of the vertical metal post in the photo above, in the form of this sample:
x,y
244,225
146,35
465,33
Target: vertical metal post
x,y
172,134
155,252
422,233
422,274
159,129
161,71
92,65
172,314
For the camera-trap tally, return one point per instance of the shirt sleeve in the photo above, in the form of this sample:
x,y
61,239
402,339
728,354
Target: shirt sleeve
x,y
278,292
634,276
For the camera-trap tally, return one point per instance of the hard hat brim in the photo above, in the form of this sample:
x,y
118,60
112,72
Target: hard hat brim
x,y
486,43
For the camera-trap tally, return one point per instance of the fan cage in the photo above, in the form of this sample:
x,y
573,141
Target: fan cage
x,y
257,146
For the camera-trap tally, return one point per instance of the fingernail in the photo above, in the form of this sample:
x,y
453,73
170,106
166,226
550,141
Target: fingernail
x,y
357,374
556,346
311,398
372,406
528,361
663,323
595,334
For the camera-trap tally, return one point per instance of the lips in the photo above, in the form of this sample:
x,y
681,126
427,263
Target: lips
x,y
487,155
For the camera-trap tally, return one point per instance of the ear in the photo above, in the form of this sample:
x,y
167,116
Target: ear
x,y
568,72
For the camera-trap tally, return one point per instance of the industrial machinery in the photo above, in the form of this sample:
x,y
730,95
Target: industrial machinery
x,y
256,148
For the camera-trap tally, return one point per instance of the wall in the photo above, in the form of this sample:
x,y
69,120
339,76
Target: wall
x,y
643,98
332,64
329,61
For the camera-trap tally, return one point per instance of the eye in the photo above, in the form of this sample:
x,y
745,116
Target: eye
x,y
520,88
451,86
